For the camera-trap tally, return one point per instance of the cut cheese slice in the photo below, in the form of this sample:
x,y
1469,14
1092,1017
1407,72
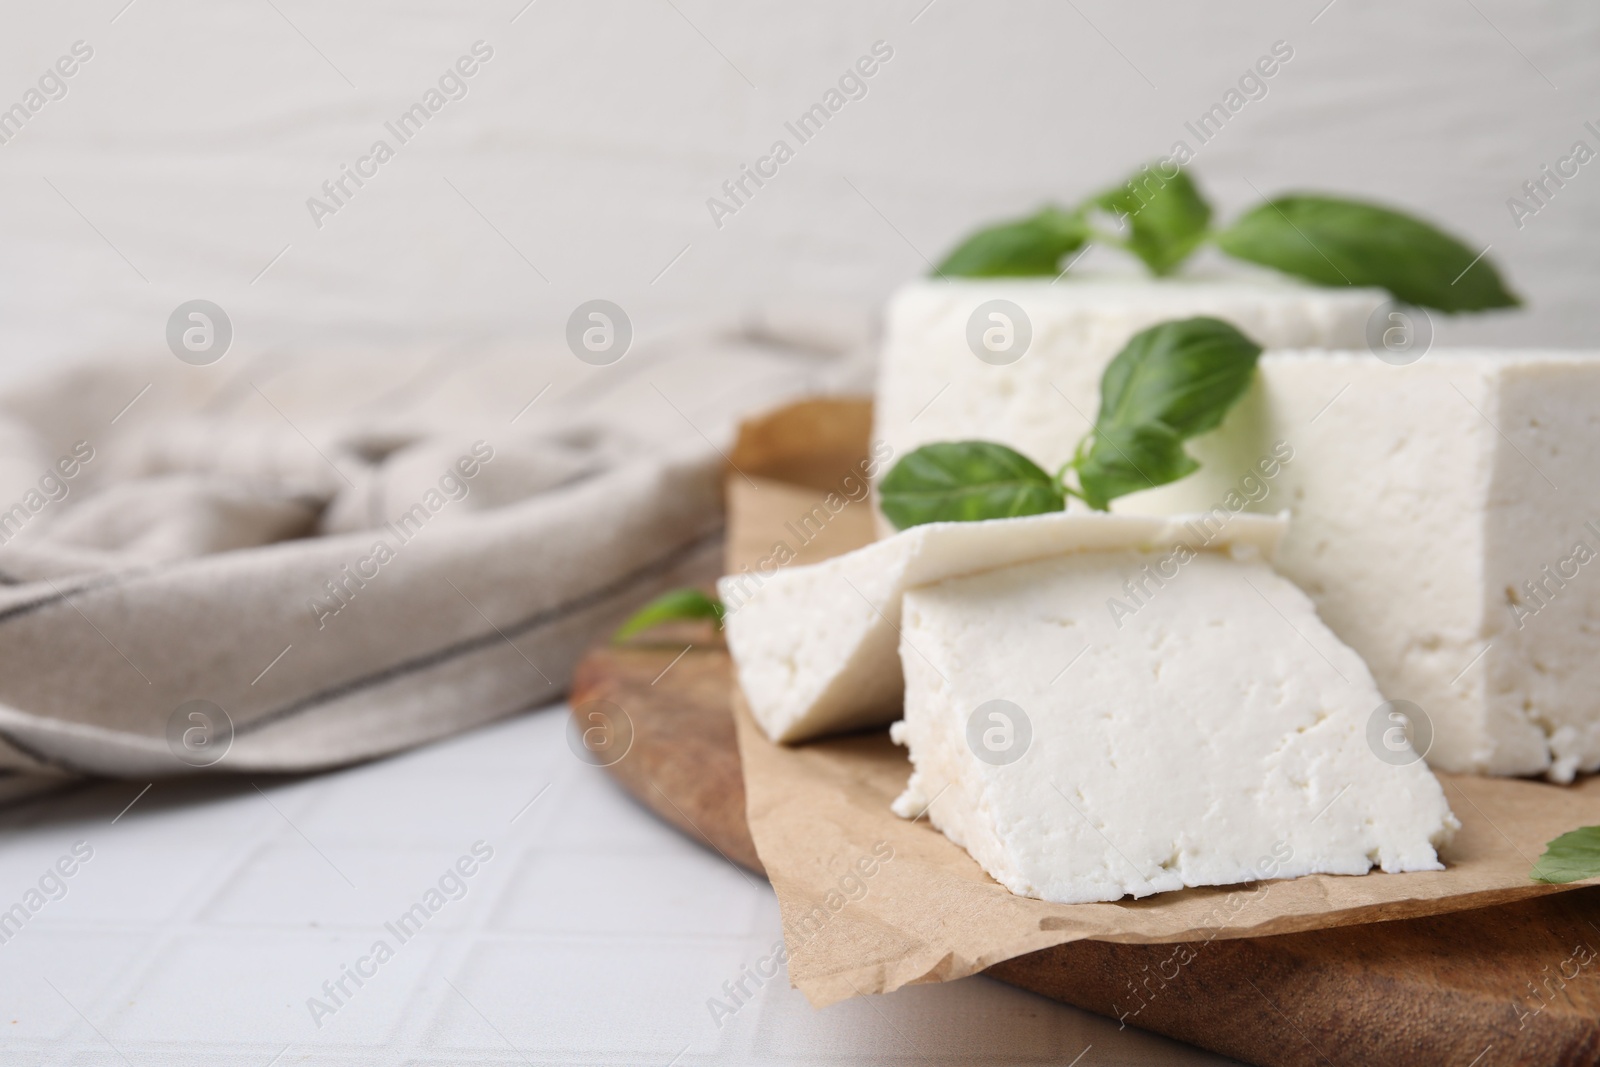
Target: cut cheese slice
x,y
1107,724
816,647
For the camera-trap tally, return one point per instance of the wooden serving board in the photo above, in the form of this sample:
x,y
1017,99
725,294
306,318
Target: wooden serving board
x,y
1512,984
1515,984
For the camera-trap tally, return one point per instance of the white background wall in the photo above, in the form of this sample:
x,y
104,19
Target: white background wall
x,y
591,140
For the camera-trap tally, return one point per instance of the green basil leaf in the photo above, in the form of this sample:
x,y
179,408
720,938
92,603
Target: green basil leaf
x,y
1345,242
1030,246
1569,858
671,607
1170,382
1185,374
965,481
1167,217
1127,459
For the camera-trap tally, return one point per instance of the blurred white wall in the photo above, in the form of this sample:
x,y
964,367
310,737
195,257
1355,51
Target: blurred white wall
x,y
180,160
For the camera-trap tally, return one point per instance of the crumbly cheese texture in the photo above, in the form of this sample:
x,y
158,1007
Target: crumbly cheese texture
x,y
816,647
1216,733
931,386
1446,521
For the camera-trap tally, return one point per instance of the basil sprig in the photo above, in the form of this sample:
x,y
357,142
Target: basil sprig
x,y
1171,382
675,606
1571,857
1321,239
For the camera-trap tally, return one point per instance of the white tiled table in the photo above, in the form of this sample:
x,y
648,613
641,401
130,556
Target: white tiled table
x,y
210,912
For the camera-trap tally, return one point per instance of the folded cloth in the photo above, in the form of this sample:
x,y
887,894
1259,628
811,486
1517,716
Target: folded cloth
x,y
288,563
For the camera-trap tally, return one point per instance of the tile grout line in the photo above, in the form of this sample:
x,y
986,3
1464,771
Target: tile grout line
x,y
427,1002
159,939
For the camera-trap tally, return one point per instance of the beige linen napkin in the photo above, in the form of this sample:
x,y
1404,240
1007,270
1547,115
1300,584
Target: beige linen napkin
x,y
289,563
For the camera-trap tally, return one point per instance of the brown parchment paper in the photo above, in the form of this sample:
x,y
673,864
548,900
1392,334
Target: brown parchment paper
x,y
871,902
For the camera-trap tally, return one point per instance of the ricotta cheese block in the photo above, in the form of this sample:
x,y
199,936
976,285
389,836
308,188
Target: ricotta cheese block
x,y
1446,521
1019,361
816,648
1115,723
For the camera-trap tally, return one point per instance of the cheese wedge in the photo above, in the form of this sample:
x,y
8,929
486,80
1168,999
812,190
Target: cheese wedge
x,y
1107,724
816,647
1446,521
1036,385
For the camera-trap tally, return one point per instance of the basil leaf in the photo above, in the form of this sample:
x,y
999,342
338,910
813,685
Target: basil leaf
x,y
1167,217
670,607
1345,242
1127,459
1030,246
1185,374
1173,381
1569,858
965,481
